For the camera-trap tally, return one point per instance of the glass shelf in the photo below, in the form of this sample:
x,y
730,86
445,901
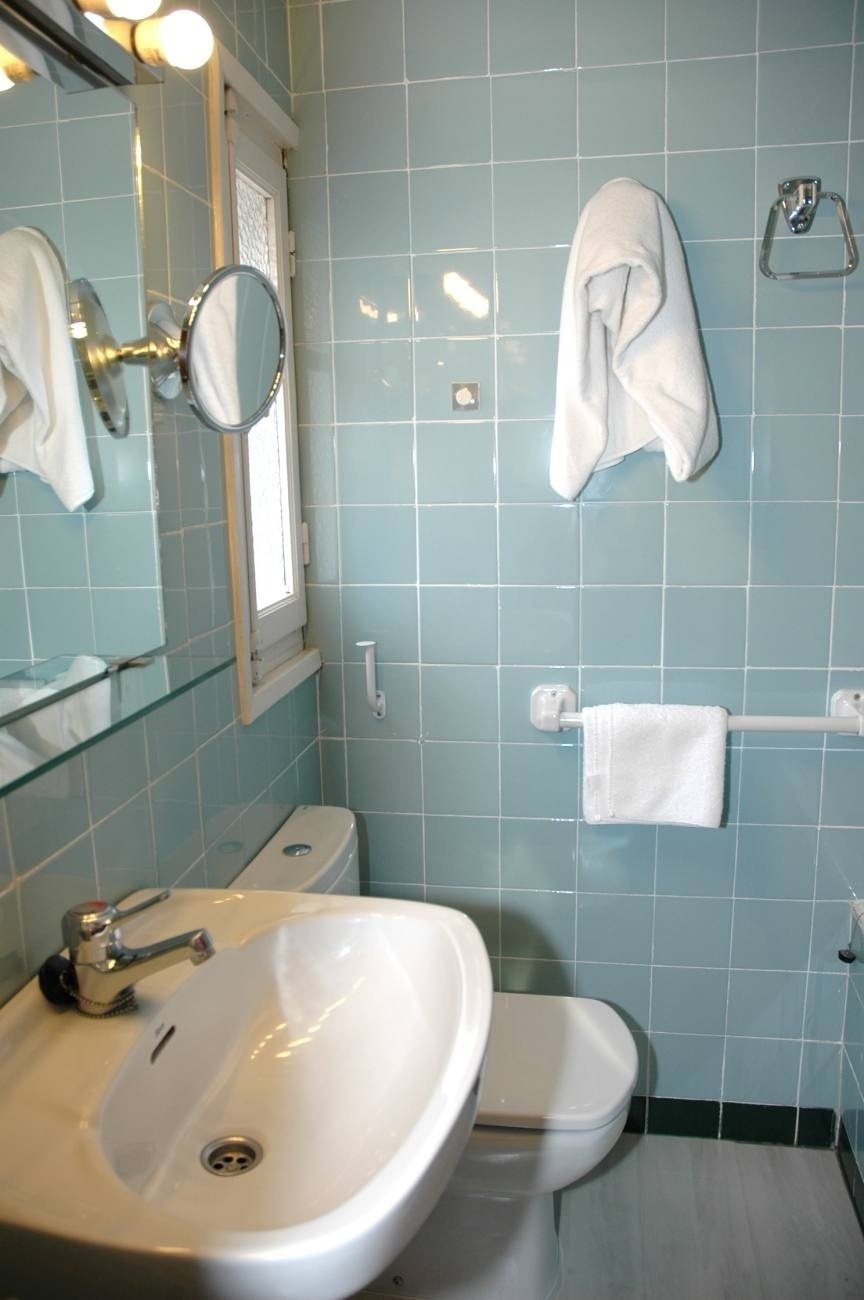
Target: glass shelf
x,y
39,736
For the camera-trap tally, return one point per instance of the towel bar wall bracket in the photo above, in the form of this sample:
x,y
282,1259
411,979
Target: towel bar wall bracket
x,y
798,200
553,708
849,704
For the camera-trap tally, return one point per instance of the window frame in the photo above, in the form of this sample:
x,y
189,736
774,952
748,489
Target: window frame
x,y
232,94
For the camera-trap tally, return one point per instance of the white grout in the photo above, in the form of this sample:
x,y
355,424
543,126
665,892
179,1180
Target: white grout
x,y
667,673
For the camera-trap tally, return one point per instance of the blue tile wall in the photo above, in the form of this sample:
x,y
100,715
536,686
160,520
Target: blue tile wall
x,y
437,252
171,799
189,794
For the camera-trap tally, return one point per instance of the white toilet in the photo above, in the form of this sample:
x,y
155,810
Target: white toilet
x,y
556,1088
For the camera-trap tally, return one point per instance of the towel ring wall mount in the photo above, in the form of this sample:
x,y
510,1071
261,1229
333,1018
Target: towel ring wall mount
x,y
227,356
798,198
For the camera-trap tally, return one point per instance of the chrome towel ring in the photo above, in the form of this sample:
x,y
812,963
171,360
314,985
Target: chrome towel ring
x,y
798,201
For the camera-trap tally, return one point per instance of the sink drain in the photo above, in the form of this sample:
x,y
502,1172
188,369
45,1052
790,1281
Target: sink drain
x,y
228,1156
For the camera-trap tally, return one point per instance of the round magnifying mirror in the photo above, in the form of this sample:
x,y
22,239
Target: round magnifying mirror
x,y
232,349
228,356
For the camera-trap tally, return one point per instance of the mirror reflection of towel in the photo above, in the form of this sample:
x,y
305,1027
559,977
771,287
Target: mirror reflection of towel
x,y
215,358
55,727
41,425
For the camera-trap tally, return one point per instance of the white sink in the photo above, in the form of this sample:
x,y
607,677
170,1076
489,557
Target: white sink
x,y
344,1036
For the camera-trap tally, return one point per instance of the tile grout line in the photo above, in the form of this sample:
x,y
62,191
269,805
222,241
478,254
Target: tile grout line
x,y
747,596
334,412
412,303
497,455
663,598
832,614
580,574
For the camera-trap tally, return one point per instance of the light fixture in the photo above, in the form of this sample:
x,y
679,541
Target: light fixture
x,y
132,11
12,70
182,39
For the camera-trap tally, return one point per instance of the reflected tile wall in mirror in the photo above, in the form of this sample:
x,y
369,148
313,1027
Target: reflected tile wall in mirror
x,y
85,582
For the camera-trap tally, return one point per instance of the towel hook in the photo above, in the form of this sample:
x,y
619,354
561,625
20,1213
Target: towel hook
x,y
798,200
374,698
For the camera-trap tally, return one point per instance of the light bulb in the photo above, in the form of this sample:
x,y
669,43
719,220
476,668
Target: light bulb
x,y
130,10
182,39
12,70
133,10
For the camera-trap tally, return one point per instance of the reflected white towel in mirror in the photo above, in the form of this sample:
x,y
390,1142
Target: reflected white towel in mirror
x,y
57,727
41,425
213,362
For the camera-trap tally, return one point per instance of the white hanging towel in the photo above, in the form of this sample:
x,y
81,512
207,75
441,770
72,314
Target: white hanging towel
x,y
41,425
654,763
631,372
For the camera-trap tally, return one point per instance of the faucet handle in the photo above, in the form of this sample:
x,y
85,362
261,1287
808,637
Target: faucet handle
x,y
90,919
87,920
142,907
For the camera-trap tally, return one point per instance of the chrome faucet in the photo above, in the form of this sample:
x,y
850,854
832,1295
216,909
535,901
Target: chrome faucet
x,y
105,970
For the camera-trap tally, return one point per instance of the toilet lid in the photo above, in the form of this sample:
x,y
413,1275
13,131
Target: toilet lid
x,y
555,1062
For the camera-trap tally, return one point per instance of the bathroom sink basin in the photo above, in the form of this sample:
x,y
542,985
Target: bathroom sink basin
x,y
275,1123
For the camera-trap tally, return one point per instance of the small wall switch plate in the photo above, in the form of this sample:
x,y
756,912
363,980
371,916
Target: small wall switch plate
x,y
465,395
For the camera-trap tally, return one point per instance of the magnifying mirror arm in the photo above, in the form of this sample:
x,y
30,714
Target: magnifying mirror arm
x,y
144,352
199,357
159,351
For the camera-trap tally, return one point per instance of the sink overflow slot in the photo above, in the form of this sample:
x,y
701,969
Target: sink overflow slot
x,y
163,1042
229,1156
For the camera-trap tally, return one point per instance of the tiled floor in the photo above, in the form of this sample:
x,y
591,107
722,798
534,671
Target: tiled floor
x,y
668,1218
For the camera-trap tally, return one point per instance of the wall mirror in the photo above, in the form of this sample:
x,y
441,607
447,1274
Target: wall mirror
x,y
81,590
80,581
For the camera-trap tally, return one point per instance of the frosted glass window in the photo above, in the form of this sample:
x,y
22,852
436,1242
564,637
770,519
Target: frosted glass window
x,y
271,527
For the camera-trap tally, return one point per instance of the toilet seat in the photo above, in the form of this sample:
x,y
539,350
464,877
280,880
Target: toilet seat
x,y
555,1063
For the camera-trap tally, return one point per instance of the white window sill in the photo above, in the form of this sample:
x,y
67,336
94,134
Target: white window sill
x,y
280,682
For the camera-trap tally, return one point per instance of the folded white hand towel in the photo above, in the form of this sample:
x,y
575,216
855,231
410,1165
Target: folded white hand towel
x,y
631,372
654,763
41,425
